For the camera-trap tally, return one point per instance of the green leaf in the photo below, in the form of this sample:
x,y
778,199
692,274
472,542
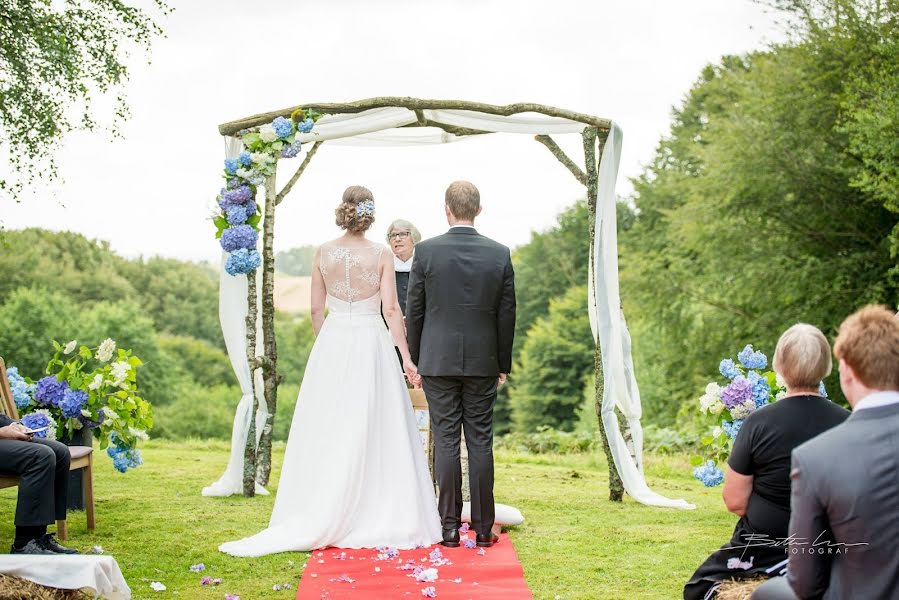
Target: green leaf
x,y
696,460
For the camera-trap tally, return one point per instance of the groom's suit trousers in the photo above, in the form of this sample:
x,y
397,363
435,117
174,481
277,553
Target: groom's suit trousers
x,y
456,403
43,470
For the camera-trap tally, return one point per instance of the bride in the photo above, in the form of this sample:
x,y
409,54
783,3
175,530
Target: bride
x,y
354,473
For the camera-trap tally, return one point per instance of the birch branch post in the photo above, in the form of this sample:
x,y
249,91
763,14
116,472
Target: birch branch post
x,y
249,452
269,343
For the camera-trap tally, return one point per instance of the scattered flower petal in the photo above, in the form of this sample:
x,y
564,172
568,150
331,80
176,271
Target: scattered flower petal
x,y
429,592
157,586
197,568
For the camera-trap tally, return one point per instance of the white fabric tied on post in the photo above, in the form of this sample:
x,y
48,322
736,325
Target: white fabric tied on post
x,y
385,127
233,317
610,330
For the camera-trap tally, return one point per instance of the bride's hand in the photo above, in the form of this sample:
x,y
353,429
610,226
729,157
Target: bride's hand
x,y
411,370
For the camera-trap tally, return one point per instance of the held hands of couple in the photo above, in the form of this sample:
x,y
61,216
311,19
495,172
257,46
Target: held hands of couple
x,y
412,372
15,431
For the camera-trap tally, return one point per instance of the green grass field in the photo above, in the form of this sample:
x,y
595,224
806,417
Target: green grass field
x,y
575,544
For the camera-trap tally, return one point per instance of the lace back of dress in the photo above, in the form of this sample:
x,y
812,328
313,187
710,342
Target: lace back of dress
x,y
351,274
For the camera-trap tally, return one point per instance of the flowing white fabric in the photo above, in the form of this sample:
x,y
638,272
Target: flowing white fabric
x,y
607,321
354,473
98,575
233,318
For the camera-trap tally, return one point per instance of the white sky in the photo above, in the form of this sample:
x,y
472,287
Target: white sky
x,y
150,193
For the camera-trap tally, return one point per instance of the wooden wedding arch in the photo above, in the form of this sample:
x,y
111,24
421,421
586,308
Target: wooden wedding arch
x,y
594,132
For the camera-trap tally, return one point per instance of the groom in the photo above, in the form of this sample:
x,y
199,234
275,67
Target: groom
x,y
460,319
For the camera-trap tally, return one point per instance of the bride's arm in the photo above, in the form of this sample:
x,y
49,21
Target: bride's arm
x,y
318,294
391,305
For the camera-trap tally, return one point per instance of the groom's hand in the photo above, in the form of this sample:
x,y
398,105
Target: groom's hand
x,y
501,380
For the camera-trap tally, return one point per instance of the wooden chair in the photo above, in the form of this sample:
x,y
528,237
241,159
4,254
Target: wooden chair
x,y
82,458
420,402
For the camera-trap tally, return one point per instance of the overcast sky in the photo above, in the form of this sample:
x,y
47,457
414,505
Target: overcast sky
x,y
150,193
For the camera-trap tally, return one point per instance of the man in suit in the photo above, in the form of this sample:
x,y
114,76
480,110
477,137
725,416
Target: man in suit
x,y
43,470
845,493
460,320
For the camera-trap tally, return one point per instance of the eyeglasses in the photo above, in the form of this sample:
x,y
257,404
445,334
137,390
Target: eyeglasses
x,y
399,235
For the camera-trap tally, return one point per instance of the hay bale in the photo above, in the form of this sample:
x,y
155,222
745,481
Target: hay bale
x,y
14,588
739,589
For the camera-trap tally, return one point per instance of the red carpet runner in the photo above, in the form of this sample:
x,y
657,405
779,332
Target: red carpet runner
x,y
434,572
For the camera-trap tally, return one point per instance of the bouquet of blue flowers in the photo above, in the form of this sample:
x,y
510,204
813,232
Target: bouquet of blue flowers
x,y
749,388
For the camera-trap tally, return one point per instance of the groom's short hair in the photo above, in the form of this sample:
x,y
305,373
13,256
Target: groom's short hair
x,y
463,200
868,341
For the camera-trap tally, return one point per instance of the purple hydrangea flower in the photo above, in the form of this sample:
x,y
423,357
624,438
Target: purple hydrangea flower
x,y
240,195
291,150
50,391
283,127
230,166
236,215
469,543
737,392
752,359
232,183
709,474
305,126
244,159
241,236
242,261
728,368
72,403
36,421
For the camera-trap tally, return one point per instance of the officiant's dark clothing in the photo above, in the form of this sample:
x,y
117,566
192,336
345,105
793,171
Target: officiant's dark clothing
x,y
762,449
460,321
43,470
402,289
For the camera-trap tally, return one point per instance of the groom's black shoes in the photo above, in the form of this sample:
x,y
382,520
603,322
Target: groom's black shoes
x,y
485,541
451,538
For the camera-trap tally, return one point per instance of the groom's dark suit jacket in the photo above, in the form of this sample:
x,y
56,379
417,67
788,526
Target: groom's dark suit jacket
x,y
460,308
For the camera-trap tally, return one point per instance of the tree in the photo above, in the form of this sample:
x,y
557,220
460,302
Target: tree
x,y
296,261
54,58
556,356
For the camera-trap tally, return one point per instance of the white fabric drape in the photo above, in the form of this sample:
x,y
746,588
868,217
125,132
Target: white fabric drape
x,y
384,127
233,318
609,328
99,575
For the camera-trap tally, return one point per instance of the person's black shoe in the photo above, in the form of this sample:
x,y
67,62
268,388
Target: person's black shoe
x,y
485,541
53,546
32,547
451,538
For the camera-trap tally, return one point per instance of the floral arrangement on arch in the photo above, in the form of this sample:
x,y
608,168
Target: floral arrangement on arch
x,y
237,221
750,387
92,388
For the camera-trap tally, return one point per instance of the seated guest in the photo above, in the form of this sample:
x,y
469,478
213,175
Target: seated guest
x,y
757,479
43,470
845,502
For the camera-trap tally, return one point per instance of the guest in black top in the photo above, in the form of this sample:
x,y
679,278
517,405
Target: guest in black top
x,y
757,479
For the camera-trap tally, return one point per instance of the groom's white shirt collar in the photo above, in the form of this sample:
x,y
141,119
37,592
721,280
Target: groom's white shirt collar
x,y
402,266
877,399
461,226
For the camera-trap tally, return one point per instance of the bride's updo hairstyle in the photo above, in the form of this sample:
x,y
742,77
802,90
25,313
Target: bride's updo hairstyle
x,y
356,212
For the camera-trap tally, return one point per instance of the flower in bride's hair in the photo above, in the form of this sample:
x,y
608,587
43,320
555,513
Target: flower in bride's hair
x,y
366,208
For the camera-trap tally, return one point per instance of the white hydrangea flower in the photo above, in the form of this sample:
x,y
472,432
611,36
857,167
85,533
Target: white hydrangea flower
x,y
780,394
717,431
85,413
70,347
779,380
716,408
104,352
741,411
120,372
245,173
110,414
96,383
268,134
712,395
261,158
139,433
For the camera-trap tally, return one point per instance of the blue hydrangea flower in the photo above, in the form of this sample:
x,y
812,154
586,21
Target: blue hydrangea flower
x,y
37,420
123,457
232,183
22,391
250,208
72,403
283,127
242,261
291,150
230,166
241,236
305,126
90,423
709,474
236,215
732,428
822,390
120,462
728,368
761,391
365,208
50,391
752,359
244,159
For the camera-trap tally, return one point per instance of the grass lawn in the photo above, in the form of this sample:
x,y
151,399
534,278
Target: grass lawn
x,y
575,544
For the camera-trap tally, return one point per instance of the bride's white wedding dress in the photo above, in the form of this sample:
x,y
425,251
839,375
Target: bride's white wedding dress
x,y
354,472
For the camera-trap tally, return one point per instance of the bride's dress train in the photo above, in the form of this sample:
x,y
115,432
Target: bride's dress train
x,y
354,473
